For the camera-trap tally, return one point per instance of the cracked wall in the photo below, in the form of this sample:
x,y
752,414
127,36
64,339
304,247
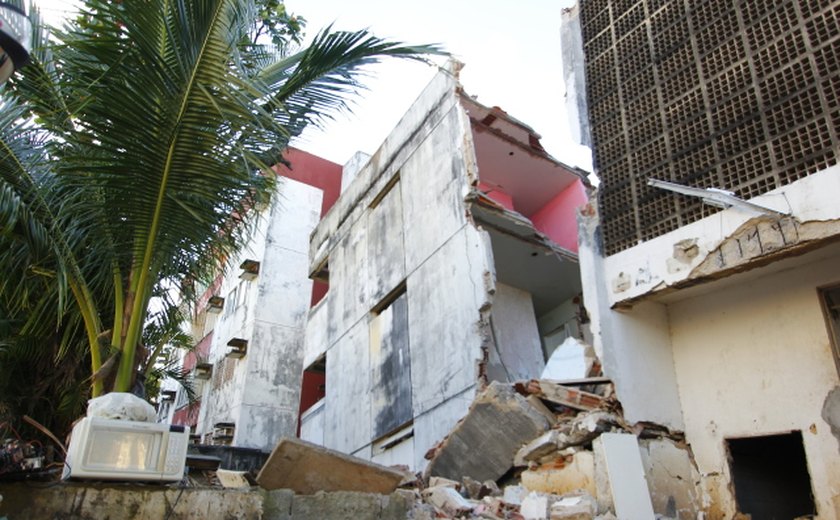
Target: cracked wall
x,y
402,221
717,329
260,392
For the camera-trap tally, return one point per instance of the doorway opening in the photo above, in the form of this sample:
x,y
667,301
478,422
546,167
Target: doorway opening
x,y
770,475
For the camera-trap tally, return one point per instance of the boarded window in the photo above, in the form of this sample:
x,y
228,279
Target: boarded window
x,y
390,364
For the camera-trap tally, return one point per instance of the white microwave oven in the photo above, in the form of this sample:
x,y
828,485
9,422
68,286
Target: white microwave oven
x,y
111,449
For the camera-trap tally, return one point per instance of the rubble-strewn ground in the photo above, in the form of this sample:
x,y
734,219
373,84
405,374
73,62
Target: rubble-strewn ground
x,y
530,450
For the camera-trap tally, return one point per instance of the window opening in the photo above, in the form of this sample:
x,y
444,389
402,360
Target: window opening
x,y
770,475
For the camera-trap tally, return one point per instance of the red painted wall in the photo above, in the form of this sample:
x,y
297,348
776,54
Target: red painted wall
x,y
314,171
187,415
320,173
312,390
558,218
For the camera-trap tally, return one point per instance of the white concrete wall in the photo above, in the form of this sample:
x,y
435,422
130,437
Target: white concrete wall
x,y
634,347
418,233
312,424
262,394
518,351
633,344
655,265
716,328
755,359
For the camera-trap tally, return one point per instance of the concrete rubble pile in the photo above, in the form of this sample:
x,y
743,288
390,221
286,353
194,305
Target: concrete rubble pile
x,y
540,449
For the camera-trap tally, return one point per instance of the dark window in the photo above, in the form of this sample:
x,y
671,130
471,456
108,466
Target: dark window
x,y
771,477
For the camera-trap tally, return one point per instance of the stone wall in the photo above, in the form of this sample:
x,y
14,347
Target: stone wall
x,y
127,502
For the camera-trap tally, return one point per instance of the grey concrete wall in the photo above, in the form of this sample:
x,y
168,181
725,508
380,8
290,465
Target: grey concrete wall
x,y
571,43
261,392
129,502
417,234
518,354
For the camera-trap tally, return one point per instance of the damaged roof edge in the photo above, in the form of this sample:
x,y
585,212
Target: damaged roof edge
x,y
434,101
483,117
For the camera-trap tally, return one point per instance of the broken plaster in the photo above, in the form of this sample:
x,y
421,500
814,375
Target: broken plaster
x,y
831,412
755,243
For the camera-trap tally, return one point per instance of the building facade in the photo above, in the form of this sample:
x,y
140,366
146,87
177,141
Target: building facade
x,y
451,261
249,324
720,322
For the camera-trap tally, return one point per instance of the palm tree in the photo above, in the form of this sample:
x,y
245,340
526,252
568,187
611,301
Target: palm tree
x,y
136,152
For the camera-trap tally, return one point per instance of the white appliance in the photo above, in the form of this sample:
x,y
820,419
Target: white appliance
x,y
110,449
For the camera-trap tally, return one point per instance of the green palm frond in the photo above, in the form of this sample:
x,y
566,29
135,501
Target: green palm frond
x,y
134,152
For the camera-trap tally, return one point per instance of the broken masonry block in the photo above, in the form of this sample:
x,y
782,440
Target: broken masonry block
x,y
620,476
573,473
483,444
232,479
447,500
574,507
444,482
307,468
543,445
564,395
477,490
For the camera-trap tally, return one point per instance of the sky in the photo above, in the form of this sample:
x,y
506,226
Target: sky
x,y
511,53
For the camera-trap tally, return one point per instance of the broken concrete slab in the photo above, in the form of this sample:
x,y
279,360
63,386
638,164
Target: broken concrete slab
x,y
575,507
568,361
514,494
563,395
620,476
534,506
307,468
585,427
232,479
482,446
540,406
570,474
447,500
543,445
673,478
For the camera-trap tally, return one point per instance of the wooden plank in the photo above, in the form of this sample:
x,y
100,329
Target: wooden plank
x,y
307,468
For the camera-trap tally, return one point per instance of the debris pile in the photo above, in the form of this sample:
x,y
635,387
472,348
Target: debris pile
x,y
543,449
539,449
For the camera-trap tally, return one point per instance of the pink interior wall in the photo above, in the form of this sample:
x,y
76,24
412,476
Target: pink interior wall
x,y
558,218
496,194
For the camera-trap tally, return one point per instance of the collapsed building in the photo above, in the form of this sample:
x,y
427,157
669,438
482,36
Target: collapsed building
x,y
714,295
451,262
707,262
